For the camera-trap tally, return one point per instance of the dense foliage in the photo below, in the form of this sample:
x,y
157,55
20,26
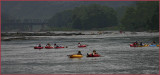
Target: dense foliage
x,y
143,17
86,17
62,19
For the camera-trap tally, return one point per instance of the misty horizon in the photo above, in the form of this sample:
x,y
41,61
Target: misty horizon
x,y
46,9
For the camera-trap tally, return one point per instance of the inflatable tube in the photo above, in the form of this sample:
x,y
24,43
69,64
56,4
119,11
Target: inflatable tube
x,y
144,46
47,47
152,45
96,55
131,45
76,56
59,47
82,46
38,47
157,45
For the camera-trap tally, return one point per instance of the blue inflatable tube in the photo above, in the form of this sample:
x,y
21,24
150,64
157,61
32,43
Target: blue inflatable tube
x,y
152,45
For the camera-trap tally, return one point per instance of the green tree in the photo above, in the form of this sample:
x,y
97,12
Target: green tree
x,y
85,17
129,19
93,16
62,19
142,17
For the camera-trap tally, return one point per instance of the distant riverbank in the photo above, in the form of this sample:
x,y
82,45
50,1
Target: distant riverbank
x,y
8,36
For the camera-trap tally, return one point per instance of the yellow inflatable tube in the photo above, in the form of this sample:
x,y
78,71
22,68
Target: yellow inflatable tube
x,y
76,56
144,45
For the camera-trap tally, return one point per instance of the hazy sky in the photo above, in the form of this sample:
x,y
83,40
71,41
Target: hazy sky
x,y
46,9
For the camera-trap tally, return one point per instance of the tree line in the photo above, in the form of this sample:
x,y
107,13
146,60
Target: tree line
x,y
85,17
143,16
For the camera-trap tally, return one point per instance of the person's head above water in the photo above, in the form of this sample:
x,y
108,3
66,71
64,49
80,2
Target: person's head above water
x,y
94,50
154,41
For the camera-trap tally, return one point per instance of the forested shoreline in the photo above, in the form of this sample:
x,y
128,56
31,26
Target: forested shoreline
x,y
142,16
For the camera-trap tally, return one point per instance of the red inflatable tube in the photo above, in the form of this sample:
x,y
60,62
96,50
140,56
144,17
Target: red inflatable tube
x,y
131,45
59,47
82,46
38,47
95,55
47,47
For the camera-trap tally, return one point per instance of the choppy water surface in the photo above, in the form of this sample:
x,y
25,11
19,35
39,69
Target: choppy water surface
x,y
19,57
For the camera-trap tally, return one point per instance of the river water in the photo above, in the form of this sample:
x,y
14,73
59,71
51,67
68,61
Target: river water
x,y
19,57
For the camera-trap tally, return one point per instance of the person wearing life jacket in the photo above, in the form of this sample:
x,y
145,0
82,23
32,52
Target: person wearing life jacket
x,y
39,45
94,52
48,44
153,43
135,43
55,45
79,44
79,53
141,44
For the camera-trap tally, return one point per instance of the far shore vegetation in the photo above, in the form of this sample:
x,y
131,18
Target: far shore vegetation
x,y
143,16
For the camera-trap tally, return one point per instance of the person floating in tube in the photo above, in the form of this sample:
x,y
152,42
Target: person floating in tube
x,y
48,44
135,43
94,52
39,45
55,45
141,44
79,53
79,44
153,43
